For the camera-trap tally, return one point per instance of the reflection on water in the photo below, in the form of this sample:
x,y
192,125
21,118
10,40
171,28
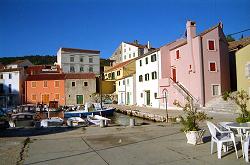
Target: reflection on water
x,y
124,120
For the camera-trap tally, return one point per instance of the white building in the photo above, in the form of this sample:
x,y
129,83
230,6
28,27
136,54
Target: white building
x,y
127,51
11,86
19,64
79,60
126,89
147,76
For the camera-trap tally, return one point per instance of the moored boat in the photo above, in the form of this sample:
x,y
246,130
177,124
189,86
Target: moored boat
x,y
96,119
22,119
76,121
53,121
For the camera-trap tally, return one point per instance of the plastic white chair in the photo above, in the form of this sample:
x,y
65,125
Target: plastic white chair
x,y
246,146
224,137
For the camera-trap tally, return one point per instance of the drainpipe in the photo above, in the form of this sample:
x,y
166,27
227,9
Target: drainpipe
x,y
202,73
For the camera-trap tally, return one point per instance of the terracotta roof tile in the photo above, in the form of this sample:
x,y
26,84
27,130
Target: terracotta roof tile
x,y
239,43
75,50
120,65
79,76
11,69
38,77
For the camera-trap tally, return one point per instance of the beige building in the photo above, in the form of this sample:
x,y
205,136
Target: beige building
x,y
79,88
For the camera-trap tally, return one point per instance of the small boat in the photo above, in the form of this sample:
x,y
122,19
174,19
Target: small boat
x,y
53,121
22,119
96,119
90,108
75,121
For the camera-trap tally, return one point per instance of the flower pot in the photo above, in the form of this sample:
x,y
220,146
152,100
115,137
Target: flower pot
x,y
195,137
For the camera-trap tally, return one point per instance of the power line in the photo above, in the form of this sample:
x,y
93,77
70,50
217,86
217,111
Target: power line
x,y
238,32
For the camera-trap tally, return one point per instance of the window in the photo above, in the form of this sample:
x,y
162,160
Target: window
x,y
72,69
81,59
140,78
129,55
155,94
113,76
10,88
177,53
211,45
33,84
212,66
1,76
124,50
140,62
124,57
109,75
81,69
73,84
90,60
154,75
90,68
147,77
247,70
153,58
127,81
133,54
146,60
57,96
129,48
119,83
215,90
141,95
71,59
118,73
56,83
33,97
123,82
45,84
10,76
85,84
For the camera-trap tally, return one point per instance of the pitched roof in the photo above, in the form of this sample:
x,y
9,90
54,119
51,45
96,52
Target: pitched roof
x,y
75,50
38,77
184,42
150,52
10,69
137,45
239,43
120,65
79,76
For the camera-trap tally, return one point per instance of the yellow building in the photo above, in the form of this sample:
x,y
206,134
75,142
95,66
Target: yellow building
x,y
243,70
120,71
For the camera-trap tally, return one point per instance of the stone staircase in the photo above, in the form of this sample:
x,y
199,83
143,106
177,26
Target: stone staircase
x,y
219,105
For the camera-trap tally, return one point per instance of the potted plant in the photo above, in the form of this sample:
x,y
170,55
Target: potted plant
x,y
190,122
241,98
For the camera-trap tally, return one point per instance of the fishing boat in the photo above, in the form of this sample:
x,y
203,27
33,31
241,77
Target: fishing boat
x,y
96,119
22,119
53,121
76,121
89,109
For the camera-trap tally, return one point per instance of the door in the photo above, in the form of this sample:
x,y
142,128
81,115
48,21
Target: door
x,y
79,99
121,98
174,74
45,98
128,98
147,97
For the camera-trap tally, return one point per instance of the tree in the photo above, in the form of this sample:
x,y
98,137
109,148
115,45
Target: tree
x,y
229,38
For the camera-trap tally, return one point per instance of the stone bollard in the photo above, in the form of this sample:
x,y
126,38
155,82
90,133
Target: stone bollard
x,y
102,123
132,122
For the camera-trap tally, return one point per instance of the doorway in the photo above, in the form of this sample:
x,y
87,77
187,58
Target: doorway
x,y
147,97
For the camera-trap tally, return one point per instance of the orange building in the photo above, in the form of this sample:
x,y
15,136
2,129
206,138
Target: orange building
x,y
43,88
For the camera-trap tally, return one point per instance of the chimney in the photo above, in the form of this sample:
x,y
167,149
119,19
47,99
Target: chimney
x,y
191,30
149,46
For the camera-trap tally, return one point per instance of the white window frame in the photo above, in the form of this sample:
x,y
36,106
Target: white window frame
x,y
208,45
247,70
216,68
219,90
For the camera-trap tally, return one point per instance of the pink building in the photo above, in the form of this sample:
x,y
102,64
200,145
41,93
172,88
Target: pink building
x,y
197,66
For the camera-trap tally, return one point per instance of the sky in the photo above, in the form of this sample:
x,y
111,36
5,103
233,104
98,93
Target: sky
x,y
41,27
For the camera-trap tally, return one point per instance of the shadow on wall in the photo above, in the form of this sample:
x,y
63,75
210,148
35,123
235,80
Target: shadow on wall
x,y
9,97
